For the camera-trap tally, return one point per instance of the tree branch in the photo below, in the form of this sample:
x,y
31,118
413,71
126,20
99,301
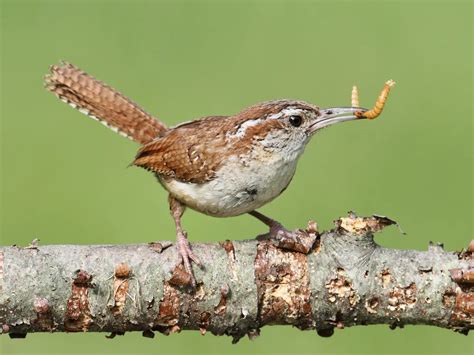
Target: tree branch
x,y
336,279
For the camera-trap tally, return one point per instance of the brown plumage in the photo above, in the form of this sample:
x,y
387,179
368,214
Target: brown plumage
x,y
183,153
103,103
186,153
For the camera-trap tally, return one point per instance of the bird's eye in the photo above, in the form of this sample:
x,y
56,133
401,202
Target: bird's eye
x,y
296,121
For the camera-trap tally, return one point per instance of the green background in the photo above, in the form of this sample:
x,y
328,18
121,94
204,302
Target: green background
x,y
65,178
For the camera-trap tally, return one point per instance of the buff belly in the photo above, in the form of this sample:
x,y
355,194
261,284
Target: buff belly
x,y
238,187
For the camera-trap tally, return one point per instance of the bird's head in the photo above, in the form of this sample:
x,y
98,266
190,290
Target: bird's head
x,y
288,125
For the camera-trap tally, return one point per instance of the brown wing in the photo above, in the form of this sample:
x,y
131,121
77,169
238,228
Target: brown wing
x,y
185,152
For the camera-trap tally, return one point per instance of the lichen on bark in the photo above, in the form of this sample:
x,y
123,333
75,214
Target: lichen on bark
x,y
334,279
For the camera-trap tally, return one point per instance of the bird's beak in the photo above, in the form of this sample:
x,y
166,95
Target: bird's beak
x,y
330,116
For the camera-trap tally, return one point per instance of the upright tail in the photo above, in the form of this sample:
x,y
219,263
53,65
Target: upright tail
x,y
102,103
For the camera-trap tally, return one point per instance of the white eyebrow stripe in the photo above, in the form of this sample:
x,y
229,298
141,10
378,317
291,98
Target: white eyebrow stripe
x,y
289,111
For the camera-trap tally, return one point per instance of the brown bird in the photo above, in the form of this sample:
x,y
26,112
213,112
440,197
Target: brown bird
x,y
218,165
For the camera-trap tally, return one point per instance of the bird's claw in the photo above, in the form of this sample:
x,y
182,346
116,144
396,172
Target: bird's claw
x,y
187,255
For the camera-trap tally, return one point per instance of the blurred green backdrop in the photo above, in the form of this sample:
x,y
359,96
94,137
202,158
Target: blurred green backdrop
x,y
65,178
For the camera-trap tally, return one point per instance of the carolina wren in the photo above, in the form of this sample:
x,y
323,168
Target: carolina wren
x,y
219,165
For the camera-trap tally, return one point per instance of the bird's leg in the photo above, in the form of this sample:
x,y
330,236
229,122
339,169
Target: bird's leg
x,y
276,229
182,243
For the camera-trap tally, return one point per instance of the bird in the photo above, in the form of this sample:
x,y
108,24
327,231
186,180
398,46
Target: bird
x,y
221,166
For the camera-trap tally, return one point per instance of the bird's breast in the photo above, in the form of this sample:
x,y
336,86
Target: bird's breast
x,y
242,184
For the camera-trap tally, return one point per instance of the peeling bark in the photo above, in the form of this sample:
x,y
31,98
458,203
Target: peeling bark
x,y
336,279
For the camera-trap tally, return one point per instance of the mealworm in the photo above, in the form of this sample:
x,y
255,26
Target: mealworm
x,y
379,104
355,97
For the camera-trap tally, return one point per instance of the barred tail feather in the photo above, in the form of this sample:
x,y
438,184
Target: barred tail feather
x,y
102,103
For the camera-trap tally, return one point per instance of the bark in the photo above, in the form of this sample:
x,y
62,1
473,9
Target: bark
x,y
335,279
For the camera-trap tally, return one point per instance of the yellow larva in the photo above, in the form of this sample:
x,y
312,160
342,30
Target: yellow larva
x,y
379,104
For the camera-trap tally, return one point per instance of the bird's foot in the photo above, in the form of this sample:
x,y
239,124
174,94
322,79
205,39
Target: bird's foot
x,y
299,240
277,232
187,255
